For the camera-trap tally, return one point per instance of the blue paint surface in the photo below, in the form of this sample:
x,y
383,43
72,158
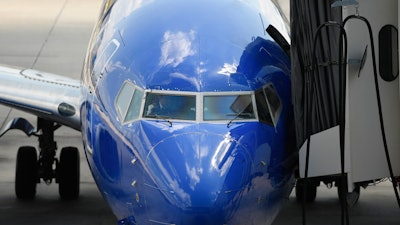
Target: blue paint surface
x,y
152,171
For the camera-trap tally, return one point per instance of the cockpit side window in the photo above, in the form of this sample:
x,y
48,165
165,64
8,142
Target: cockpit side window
x,y
262,108
228,107
124,96
168,106
268,105
274,102
129,102
134,106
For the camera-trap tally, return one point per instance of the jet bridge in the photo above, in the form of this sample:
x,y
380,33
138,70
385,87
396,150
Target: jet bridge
x,y
346,134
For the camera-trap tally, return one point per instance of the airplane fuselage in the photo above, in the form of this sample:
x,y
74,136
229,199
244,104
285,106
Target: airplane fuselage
x,y
186,114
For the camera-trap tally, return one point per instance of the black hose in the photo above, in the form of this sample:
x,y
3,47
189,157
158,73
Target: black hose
x,y
342,113
308,122
379,102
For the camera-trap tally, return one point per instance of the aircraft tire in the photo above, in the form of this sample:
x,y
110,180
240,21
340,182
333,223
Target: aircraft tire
x,y
311,192
26,174
68,172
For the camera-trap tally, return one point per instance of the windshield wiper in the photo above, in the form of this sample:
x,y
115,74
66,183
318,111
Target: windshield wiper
x,y
164,119
160,118
237,115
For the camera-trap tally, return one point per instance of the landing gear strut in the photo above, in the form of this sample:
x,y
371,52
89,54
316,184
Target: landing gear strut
x,y
30,168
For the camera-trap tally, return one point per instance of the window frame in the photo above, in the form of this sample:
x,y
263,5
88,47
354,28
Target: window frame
x,y
199,104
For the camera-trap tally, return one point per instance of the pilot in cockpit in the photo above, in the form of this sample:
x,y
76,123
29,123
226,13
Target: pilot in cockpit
x,y
170,106
160,106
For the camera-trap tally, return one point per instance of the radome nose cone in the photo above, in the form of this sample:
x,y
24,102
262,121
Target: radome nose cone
x,y
193,170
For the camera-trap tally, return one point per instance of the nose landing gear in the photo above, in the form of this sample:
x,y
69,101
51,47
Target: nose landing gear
x,y
30,168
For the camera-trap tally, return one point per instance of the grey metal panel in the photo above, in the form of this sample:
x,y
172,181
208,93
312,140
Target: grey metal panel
x,y
45,95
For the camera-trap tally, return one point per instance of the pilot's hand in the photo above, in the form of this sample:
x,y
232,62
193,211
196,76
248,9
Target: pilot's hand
x,y
150,109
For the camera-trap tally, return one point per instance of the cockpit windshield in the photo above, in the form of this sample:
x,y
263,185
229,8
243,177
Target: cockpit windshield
x,y
228,107
181,107
133,103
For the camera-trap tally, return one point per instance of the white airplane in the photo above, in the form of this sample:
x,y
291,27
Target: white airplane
x,y
184,108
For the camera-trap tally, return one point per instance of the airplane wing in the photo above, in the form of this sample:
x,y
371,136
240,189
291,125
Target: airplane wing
x,y
45,95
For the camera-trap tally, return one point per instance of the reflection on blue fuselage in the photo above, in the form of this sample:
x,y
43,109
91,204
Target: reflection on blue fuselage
x,y
214,172
191,173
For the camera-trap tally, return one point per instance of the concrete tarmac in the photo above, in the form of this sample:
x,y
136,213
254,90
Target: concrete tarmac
x,y
377,206
52,36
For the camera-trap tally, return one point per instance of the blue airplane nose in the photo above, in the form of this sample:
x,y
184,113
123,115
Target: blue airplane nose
x,y
199,172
